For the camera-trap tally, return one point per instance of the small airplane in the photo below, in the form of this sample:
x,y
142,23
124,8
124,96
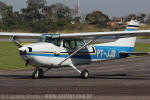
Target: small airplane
x,y
71,50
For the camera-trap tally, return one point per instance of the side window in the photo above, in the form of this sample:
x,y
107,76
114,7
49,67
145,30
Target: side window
x,y
69,44
66,43
73,44
79,44
57,42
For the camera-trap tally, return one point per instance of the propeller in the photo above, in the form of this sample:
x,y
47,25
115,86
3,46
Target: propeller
x,y
21,50
24,52
26,58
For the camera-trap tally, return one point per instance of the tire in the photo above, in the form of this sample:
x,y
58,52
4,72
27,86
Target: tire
x,y
35,74
84,74
38,73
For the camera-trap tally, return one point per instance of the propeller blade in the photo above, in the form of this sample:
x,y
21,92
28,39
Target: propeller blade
x,y
25,57
27,63
17,42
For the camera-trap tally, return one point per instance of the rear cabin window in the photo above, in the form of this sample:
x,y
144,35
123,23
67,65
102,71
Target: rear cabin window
x,y
73,44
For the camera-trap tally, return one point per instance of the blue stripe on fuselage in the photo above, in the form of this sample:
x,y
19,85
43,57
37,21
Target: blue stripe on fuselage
x,y
111,52
101,52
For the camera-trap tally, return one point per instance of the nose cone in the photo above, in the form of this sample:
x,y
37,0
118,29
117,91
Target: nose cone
x,y
23,49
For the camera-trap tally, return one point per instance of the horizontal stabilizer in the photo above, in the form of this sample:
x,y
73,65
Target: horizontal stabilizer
x,y
134,53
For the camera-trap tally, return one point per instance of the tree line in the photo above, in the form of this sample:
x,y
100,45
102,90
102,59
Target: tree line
x,y
40,17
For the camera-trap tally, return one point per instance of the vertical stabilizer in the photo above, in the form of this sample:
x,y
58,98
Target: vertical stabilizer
x,y
133,25
126,41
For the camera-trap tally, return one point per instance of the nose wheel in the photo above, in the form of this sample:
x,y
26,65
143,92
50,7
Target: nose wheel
x,y
38,73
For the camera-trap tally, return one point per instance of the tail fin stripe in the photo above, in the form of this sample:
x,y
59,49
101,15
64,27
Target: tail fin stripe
x,y
133,26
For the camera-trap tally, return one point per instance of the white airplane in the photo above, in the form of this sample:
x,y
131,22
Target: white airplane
x,y
70,50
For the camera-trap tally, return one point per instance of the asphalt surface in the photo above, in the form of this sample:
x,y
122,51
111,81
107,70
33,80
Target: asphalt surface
x,y
122,79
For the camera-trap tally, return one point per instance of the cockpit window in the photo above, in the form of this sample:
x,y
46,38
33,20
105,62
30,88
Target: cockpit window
x,y
53,41
42,38
56,40
50,39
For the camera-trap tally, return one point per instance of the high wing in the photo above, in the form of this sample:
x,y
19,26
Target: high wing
x,y
100,34
20,34
85,35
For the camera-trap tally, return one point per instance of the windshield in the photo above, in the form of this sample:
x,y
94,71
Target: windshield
x,y
50,38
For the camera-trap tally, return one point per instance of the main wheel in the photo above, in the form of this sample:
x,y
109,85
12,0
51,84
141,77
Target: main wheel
x,y
35,74
38,73
84,74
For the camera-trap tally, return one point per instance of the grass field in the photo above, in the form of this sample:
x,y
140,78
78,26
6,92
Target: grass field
x,y
10,59
9,56
141,47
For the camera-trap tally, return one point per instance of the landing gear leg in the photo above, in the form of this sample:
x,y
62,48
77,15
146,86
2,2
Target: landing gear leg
x,y
38,73
84,73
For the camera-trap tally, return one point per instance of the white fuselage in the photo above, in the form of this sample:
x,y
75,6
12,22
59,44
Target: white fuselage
x,y
44,54
50,55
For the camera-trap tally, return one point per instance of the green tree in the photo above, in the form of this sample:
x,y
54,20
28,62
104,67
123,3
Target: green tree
x,y
53,17
63,12
140,17
77,19
61,15
130,16
148,20
60,11
34,9
97,18
7,15
3,9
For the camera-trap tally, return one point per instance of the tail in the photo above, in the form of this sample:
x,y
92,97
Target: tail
x,y
127,41
133,25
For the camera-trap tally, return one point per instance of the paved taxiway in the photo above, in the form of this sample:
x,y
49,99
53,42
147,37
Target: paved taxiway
x,y
117,79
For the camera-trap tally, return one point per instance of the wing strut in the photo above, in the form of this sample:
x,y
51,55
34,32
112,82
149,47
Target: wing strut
x,y
75,68
76,51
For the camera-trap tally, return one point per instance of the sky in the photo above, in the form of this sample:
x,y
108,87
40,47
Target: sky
x,y
112,8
